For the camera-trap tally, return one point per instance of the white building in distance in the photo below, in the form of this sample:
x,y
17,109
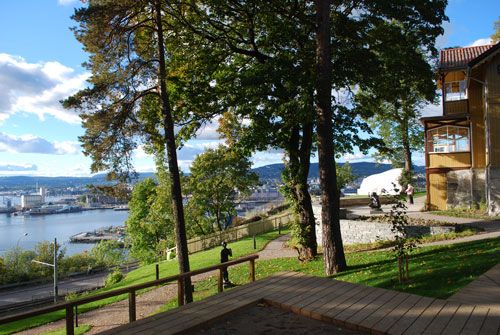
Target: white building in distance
x,y
33,200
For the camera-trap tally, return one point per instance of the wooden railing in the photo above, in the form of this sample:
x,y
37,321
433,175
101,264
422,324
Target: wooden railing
x,y
71,306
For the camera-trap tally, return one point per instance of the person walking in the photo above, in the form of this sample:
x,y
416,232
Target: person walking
x,y
409,192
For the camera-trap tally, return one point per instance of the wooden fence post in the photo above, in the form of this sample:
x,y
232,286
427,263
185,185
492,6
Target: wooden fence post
x,y
157,271
131,306
252,269
180,291
220,282
70,326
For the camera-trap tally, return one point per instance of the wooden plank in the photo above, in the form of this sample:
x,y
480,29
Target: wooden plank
x,y
331,314
358,305
318,300
367,324
332,287
475,321
356,318
291,286
427,316
393,316
314,286
331,301
491,324
402,324
458,321
301,289
442,319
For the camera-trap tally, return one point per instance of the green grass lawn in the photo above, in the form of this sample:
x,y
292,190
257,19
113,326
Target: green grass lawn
x,y
146,273
81,329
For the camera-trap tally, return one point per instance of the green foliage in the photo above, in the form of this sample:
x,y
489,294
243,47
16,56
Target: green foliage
x,y
113,278
45,253
108,253
82,262
344,175
18,265
496,34
150,226
81,329
406,178
219,178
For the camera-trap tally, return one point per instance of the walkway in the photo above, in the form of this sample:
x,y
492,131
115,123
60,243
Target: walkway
x,y
484,291
357,307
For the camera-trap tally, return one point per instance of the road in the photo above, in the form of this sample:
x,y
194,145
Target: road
x,y
35,292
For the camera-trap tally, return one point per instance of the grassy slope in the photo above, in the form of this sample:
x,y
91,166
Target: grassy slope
x,y
146,273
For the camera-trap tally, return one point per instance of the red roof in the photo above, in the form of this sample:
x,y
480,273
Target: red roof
x,y
458,58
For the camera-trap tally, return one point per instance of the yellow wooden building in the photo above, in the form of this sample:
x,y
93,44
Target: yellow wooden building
x,y
463,145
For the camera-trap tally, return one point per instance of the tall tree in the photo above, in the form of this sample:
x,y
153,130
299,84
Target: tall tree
x,y
128,98
259,79
333,250
406,84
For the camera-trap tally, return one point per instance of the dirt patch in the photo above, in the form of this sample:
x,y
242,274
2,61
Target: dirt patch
x,y
263,319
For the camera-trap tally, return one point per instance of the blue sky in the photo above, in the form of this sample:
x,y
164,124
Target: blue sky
x,y
40,64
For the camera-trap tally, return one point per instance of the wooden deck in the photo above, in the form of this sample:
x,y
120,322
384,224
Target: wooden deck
x,y
366,309
484,291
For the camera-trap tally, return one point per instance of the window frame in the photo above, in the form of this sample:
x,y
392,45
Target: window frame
x,y
452,96
450,143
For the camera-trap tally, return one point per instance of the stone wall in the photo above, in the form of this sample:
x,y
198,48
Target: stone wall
x,y
354,231
493,189
459,188
478,185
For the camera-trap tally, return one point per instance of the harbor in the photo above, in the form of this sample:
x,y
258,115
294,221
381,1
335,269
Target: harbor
x,y
102,234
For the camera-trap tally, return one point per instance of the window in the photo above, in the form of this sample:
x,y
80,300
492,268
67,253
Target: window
x,y
455,90
448,139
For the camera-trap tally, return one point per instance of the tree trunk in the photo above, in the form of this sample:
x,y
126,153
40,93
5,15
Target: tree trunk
x,y
333,250
299,151
406,145
175,181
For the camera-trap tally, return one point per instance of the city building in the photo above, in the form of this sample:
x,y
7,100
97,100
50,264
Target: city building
x,y
34,200
463,144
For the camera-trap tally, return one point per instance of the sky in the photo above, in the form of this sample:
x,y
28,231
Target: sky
x,y
40,64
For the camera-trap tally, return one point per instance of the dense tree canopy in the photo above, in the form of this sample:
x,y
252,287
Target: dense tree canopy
x,y
218,177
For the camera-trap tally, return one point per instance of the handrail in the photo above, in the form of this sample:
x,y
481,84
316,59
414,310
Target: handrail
x,y
69,306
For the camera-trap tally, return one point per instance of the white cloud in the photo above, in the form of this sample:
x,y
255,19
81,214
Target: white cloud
x,y
209,130
481,41
358,156
67,2
37,88
33,144
18,167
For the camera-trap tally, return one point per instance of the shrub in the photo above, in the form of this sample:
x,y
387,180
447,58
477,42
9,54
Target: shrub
x,y
114,277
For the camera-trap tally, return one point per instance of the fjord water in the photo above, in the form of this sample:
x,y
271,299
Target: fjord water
x,y
61,226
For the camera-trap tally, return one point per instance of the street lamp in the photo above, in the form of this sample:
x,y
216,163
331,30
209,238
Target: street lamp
x,y
54,266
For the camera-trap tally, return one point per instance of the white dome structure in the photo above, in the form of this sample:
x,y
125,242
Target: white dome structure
x,y
382,183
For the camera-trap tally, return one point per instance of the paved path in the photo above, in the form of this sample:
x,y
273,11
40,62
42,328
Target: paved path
x,y
352,306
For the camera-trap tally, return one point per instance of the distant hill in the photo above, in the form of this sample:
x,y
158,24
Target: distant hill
x,y
359,169
267,172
